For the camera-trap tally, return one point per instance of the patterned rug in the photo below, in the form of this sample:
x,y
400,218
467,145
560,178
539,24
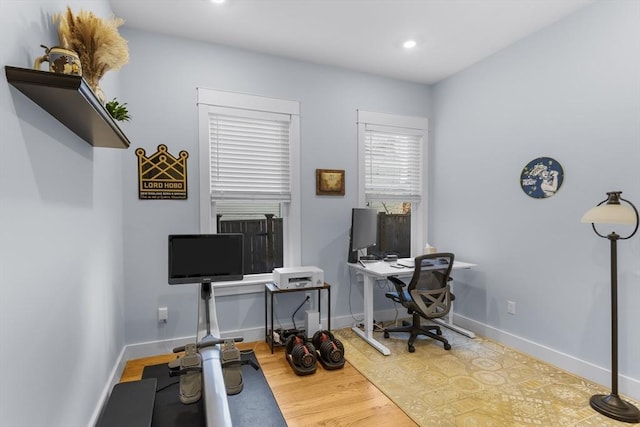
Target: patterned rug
x,y
478,383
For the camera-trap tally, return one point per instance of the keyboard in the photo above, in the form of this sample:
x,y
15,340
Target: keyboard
x,y
407,262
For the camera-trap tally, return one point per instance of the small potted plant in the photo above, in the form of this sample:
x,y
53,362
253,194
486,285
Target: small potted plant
x,y
118,111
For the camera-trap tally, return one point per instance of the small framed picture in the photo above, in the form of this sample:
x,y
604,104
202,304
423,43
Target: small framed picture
x,y
329,182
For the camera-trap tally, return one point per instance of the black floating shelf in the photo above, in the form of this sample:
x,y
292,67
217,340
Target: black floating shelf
x,y
70,100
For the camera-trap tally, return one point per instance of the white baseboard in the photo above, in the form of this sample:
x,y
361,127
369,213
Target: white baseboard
x,y
116,373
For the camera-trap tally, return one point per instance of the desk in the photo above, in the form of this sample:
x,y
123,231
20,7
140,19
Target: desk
x,y
270,289
381,270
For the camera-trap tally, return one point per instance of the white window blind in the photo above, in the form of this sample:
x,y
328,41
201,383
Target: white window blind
x,y
239,209
392,163
250,155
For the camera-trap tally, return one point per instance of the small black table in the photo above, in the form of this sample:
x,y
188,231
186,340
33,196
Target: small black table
x,y
270,289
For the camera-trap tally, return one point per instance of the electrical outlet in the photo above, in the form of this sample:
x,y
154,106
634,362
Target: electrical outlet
x,y
511,307
309,297
163,314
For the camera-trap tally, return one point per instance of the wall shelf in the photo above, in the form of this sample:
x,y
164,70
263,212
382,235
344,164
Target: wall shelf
x,y
70,100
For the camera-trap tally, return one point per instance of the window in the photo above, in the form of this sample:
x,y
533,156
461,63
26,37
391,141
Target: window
x,y
249,163
392,178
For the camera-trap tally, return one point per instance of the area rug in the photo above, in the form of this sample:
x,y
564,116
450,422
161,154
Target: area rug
x,y
478,383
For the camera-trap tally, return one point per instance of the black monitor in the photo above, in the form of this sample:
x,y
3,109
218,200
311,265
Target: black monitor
x,y
364,231
205,258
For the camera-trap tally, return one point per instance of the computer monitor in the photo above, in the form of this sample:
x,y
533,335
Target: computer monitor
x,y
205,258
364,231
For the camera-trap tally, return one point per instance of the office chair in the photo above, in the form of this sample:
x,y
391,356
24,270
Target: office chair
x,y
427,296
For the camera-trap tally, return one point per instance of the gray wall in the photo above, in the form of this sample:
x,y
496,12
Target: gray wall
x,y
61,302
160,85
571,92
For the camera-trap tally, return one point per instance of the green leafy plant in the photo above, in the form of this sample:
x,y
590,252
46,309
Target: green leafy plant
x,y
118,111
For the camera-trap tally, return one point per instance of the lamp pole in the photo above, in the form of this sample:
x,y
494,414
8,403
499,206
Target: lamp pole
x,y
611,405
613,238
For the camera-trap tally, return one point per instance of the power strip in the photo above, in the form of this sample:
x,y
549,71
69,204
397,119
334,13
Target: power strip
x,y
280,336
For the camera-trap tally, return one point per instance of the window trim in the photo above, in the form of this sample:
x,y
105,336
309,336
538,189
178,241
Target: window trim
x,y
290,211
411,125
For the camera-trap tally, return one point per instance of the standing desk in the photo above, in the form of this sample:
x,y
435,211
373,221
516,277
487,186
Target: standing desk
x,y
381,270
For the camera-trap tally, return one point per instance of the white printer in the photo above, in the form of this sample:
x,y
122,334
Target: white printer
x,y
298,277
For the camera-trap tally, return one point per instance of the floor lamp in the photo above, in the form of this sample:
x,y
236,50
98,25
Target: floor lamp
x,y
611,211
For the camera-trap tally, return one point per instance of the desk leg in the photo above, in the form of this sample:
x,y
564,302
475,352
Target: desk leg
x,y
367,335
449,323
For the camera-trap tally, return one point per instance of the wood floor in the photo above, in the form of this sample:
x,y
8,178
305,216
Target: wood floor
x,y
341,397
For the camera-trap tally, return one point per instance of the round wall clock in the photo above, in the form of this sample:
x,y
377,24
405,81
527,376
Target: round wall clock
x,y
541,177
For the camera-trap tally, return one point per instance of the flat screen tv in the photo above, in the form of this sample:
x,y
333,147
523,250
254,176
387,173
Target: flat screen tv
x,y
204,258
364,231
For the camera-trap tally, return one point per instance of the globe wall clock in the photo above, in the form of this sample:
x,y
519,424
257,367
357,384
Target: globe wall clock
x,y
541,178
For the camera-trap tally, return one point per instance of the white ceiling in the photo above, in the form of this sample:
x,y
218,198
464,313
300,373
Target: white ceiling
x,y
363,35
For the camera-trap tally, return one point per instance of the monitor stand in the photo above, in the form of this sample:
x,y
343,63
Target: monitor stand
x,y
205,302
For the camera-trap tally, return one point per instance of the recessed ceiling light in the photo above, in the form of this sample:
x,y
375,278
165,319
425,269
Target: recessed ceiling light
x,y
217,1
409,44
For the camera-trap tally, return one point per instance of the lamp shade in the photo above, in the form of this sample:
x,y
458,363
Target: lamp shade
x,y
610,214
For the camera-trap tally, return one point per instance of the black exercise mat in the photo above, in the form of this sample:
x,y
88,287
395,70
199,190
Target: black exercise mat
x,y
254,406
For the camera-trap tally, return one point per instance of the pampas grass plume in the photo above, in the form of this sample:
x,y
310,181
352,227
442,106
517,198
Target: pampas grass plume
x,y
96,41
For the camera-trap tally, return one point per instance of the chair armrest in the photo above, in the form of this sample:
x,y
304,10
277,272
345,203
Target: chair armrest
x,y
399,285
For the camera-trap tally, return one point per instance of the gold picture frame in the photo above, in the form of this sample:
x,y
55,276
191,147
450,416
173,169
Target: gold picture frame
x,y
330,182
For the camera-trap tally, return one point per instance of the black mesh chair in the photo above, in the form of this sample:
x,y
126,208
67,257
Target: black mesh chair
x,y
426,296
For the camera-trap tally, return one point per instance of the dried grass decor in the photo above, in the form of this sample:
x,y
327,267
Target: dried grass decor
x,y
96,41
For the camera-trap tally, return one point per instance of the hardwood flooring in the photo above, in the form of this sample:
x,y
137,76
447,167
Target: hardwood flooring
x,y
341,397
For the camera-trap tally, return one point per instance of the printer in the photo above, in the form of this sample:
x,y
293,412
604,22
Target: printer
x,y
298,277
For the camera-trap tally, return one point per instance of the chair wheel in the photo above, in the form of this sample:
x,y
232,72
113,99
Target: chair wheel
x,y
447,346
386,334
412,349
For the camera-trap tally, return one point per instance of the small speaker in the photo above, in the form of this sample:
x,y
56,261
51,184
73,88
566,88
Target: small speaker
x,y
312,323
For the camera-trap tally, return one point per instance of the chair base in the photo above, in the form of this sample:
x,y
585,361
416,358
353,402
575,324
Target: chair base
x,y
416,329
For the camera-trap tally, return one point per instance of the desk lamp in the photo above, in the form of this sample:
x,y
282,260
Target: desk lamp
x,y
611,211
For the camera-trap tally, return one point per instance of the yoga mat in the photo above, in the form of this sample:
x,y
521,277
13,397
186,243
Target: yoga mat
x,y
255,405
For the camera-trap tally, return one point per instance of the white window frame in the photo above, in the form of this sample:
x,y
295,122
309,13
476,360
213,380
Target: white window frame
x,y
208,100
400,124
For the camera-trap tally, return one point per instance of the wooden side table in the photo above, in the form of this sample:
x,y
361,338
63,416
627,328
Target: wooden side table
x,y
271,289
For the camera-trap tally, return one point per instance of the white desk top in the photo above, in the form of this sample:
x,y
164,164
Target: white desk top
x,y
384,269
